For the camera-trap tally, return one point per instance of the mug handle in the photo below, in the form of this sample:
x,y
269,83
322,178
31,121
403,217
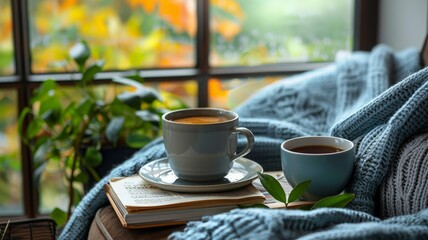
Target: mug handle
x,y
250,142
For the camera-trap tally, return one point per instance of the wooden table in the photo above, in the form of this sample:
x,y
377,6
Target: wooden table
x,y
106,225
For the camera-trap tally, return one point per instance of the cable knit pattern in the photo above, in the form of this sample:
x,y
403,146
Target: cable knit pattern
x,y
403,191
350,99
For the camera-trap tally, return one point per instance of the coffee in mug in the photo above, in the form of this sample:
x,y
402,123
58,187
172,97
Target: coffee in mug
x,y
201,119
201,143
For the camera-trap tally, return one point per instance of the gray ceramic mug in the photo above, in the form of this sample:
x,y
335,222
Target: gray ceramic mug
x,y
201,143
326,161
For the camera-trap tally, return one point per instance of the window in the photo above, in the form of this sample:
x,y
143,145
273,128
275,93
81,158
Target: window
x,y
207,52
11,201
253,32
6,43
126,34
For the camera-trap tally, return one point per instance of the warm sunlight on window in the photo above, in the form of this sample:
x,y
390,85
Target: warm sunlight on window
x,y
231,92
126,34
6,43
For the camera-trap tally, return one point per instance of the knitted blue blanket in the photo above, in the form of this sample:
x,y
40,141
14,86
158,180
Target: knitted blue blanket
x,y
351,99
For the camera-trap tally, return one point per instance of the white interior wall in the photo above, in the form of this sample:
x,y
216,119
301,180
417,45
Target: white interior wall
x,y
403,24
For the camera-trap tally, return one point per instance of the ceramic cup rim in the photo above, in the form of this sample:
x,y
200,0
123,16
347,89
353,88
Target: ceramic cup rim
x,y
302,139
187,112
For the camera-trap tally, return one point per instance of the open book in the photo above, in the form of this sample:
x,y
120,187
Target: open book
x,y
141,205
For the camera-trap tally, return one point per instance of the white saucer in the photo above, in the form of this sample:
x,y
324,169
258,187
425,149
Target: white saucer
x,y
159,174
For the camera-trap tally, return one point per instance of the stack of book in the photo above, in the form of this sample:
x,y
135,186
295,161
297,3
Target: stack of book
x,y
138,204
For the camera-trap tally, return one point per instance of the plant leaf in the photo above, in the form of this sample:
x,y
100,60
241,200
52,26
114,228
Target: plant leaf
x,y
338,201
80,52
148,116
147,94
298,191
59,216
42,151
305,207
128,82
92,157
273,187
77,196
257,205
131,99
113,128
81,177
50,108
34,128
47,88
91,71
84,107
134,75
135,140
51,117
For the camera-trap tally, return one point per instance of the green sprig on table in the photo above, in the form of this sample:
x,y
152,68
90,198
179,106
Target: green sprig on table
x,y
274,188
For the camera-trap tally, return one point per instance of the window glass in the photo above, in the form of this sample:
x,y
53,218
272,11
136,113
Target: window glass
x,y
6,44
186,91
254,32
11,200
229,93
126,34
53,189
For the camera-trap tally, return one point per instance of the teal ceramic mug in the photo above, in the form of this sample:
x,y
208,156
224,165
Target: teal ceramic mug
x,y
201,143
325,160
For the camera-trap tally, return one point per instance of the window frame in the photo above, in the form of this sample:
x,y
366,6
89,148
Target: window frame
x,y
365,37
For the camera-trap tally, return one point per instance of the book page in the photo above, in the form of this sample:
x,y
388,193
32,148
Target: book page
x,y
134,192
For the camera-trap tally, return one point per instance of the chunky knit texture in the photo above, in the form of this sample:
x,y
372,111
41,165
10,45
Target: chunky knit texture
x,y
350,99
404,190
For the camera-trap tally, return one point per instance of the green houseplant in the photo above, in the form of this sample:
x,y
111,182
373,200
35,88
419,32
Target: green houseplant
x,y
73,129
